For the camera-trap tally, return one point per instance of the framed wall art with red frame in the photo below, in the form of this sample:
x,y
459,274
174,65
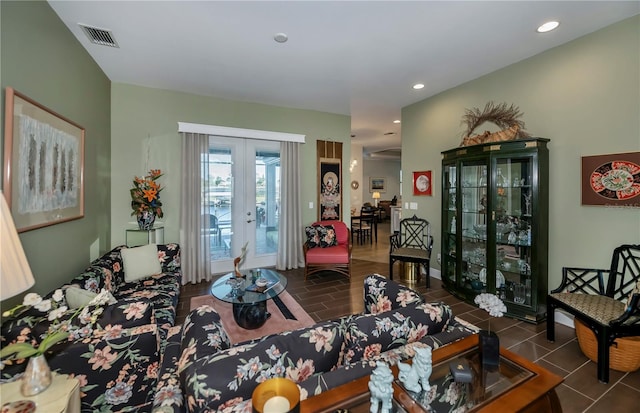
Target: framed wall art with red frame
x,y
611,180
422,183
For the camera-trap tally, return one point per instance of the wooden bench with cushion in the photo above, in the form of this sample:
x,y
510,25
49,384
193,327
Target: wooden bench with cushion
x,y
606,301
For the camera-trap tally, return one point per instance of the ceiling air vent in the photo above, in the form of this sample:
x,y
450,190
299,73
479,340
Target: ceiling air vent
x,y
99,36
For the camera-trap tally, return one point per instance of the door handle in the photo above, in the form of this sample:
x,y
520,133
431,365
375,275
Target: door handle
x,y
250,221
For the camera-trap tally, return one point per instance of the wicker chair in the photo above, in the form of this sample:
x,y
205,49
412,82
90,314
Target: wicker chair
x,y
606,301
335,258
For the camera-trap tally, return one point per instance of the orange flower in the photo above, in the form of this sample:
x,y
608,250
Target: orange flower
x,y
150,194
145,194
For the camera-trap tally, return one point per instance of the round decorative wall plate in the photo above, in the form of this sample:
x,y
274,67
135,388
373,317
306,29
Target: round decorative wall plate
x,y
355,184
616,180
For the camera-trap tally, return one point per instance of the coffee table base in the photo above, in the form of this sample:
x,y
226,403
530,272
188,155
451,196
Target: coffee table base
x,y
251,316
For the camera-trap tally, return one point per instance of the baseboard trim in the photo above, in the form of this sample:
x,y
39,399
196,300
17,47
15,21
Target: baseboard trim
x,y
561,316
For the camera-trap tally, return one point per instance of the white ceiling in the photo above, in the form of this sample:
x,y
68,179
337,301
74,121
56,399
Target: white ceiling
x,y
357,58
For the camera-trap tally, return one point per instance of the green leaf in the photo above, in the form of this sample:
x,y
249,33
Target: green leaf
x,y
26,353
15,348
52,339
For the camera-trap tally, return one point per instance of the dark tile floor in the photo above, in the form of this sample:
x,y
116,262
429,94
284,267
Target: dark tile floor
x,y
328,295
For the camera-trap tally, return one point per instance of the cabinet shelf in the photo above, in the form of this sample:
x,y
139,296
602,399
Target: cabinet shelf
x,y
479,223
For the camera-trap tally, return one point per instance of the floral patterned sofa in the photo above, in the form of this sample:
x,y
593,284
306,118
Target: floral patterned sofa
x,y
117,356
211,375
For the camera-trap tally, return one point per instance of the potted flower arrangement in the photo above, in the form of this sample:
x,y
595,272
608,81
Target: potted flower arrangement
x,y
489,340
37,376
145,199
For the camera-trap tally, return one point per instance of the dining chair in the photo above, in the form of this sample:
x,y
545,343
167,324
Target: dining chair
x,y
413,243
366,225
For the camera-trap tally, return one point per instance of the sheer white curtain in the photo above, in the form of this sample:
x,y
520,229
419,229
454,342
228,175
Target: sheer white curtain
x,y
290,237
194,222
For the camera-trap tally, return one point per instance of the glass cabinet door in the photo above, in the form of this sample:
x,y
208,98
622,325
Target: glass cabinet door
x,y
473,226
449,229
513,229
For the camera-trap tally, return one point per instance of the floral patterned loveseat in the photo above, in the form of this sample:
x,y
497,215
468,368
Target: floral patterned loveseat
x,y
213,376
117,356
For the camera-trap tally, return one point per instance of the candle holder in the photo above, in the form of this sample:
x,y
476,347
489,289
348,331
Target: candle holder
x,y
276,395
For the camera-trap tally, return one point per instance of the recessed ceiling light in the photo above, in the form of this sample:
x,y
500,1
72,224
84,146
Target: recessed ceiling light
x,y
280,37
396,121
548,26
418,86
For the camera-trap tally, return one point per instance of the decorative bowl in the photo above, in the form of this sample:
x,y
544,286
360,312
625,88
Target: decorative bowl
x,y
477,285
261,282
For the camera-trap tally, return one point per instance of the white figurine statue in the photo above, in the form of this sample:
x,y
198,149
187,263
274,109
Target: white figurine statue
x,y
422,362
415,377
408,375
381,388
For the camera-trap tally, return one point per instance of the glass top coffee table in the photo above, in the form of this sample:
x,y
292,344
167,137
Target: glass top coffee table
x,y
249,300
518,385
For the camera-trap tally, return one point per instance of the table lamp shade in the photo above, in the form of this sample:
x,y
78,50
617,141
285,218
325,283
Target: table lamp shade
x,y
376,196
15,273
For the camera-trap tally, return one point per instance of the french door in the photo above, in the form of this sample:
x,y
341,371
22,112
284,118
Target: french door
x,y
242,193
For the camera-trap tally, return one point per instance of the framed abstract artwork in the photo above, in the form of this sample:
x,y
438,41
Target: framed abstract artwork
x,y
377,185
611,180
422,183
43,164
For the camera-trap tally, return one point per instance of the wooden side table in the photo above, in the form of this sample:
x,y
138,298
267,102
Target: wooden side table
x,y
62,396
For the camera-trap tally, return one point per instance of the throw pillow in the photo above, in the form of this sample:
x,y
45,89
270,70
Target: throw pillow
x,y
636,290
313,240
140,262
79,297
327,236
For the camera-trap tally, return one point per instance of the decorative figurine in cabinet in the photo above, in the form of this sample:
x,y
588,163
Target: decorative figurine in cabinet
x,y
495,212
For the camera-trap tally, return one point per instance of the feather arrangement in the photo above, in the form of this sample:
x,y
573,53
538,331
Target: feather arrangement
x,y
504,116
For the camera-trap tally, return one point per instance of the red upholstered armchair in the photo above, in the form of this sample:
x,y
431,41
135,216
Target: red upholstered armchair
x,y
328,248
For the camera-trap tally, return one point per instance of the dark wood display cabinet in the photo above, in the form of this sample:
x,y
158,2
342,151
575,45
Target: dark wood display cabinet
x,y
495,214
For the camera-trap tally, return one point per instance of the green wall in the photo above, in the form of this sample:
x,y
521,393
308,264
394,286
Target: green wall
x,y
144,123
585,97
43,60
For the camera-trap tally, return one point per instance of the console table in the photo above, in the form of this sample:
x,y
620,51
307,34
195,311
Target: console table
x,y
134,236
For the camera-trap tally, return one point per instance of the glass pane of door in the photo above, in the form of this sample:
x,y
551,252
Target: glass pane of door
x,y
267,200
513,229
449,222
219,204
474,229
